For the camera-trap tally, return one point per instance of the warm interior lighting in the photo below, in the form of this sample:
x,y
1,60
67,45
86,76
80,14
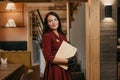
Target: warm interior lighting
x,y
10,6
109,22
11,23
108,2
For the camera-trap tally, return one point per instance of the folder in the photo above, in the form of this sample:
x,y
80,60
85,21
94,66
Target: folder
x,y
66,50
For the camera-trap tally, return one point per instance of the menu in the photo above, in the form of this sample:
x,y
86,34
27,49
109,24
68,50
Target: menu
x,y
66,50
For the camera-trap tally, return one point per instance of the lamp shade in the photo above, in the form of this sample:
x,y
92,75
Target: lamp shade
x,y
108,11
10,23
10,6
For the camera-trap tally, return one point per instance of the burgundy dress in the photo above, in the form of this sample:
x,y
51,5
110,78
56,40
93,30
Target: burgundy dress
x,y
50,45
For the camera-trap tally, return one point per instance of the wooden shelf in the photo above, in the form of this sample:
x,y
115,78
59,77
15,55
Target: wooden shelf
x,y
17,15
19,7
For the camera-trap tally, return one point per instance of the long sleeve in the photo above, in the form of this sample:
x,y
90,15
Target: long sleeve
x,y
46,48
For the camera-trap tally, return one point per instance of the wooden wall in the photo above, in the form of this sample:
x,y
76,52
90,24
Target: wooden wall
x,y
18,33
93,40
17,14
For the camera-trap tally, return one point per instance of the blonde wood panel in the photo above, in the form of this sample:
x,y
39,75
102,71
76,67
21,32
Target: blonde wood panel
x,y
93,39
13,34
87,43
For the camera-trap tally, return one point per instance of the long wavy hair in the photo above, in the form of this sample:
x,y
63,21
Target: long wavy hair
x,y
46,27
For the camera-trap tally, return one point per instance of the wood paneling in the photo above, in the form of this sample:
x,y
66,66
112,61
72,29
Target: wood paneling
x,y
17,15
93,40
4,17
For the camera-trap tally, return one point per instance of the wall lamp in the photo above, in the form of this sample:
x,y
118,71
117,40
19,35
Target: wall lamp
x,y
108,11
10,6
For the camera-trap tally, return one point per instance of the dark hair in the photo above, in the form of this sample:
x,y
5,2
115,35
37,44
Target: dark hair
x,y
46,27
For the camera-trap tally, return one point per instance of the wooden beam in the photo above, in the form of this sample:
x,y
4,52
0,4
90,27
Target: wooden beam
x,y
31,0
93,40
69,0
48,0
77,0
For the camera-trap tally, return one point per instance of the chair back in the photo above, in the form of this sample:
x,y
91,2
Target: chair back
x,y
28,75
36,68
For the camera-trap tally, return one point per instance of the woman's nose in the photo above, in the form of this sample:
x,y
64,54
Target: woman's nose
x,y
53,22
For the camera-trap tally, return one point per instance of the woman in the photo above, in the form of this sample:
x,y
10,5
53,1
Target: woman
x,y
51,41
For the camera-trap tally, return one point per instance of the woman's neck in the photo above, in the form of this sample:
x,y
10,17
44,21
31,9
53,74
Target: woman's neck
x,y
56,32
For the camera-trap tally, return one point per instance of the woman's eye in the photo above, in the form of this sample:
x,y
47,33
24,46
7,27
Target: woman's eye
x,y
56,19
49,20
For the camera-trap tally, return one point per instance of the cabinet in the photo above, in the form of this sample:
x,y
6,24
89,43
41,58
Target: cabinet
x,y
17,15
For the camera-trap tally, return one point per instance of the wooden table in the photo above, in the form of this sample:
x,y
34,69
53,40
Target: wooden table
x,y
11,71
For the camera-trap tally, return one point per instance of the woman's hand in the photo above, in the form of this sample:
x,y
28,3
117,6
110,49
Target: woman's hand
x,y
71,62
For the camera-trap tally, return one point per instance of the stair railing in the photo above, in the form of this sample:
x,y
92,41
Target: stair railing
x,y
37,25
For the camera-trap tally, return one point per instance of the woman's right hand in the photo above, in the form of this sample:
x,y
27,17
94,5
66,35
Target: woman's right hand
x,y
71,61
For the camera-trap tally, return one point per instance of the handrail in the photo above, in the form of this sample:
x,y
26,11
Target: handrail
x,y
40,15
37,22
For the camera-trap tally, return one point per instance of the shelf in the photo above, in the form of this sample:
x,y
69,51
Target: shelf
x,y
17,15
19,8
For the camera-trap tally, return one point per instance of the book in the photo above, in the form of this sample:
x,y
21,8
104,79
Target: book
x,y
66,50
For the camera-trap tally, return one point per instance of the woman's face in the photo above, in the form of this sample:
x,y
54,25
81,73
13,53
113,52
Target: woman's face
x,y
53,22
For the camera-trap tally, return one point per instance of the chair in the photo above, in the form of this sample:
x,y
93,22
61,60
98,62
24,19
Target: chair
x,y
28,75
36,68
